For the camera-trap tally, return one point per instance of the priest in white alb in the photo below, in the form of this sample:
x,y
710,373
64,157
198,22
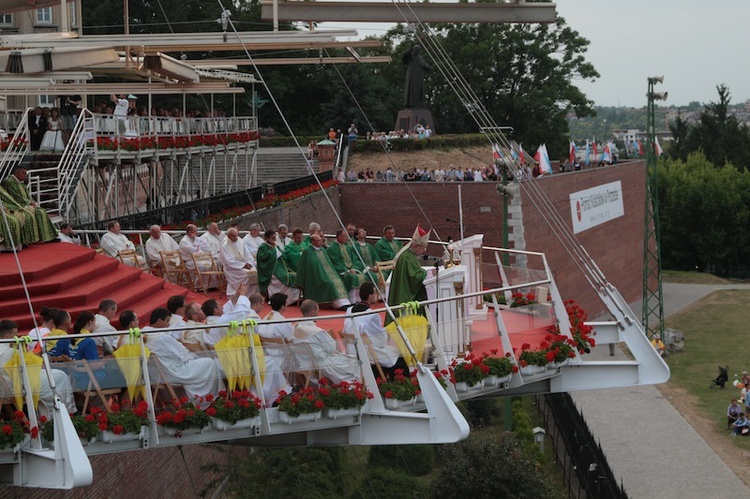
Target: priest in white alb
x,y
214,238
238,264
157,243
113,242
253,240
190,245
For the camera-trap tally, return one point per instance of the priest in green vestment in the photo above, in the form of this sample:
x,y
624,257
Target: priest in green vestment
x,y
293,249
317,277
387,247
313,228
37,226
10,227
407,280
346,263
274,274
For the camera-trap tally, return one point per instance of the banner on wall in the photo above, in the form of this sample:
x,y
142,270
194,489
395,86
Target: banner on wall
x,y
595,206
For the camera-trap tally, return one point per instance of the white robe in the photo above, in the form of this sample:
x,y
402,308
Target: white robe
x,y
113,243
103,326
64,238
385,351
177,321
199,376
214,245
154,247
233,259
333,364
46,395
188,247
253,243
281,243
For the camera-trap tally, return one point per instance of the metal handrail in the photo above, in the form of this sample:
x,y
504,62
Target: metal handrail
x,y
73,161
18,147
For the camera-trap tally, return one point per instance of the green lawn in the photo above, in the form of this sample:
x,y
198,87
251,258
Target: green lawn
x,y
683,277
715,330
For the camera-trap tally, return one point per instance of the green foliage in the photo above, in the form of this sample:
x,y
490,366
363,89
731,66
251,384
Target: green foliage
x,y
716,205
489,464
523,429
416,460
481,413
315,473
387,483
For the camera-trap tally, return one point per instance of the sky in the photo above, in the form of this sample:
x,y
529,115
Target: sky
x,y
695,44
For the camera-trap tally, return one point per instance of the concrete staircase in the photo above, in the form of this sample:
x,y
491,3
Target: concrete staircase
x,y
277,164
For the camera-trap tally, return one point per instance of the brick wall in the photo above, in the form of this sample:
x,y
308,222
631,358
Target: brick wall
x,y
616,246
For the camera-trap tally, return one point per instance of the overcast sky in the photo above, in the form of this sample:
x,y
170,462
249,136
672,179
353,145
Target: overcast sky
x,y
695,44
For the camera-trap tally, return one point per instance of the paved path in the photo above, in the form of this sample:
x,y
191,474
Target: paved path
x,y
649,446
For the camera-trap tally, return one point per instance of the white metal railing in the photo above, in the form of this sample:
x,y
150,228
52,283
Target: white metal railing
x,y
150,126
17,147
73,161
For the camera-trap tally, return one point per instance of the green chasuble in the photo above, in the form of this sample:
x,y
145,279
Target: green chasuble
x,y
370,257
317,277
12,238
407,282
269,264
25,221
292,254
343,261
40,227
387,250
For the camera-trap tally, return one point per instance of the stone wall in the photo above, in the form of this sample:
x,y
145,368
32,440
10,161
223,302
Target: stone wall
x,y
616,246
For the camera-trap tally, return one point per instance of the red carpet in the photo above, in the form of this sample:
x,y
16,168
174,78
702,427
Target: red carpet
x,y
75,279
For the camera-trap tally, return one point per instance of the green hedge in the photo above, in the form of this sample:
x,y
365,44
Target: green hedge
x,y
418,459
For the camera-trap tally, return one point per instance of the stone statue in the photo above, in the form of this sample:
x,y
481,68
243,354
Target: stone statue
x,y
415,70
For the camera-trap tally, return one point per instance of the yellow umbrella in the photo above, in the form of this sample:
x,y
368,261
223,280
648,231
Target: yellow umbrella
x,y
128,357
33,365
415,327
226,351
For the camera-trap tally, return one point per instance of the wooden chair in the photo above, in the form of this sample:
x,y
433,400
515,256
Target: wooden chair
x,y
388,265
301,364
93,389
206,261
349,339
175,269
130,257
159,381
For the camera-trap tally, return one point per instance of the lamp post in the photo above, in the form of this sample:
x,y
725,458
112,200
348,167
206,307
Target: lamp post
x,y
652,316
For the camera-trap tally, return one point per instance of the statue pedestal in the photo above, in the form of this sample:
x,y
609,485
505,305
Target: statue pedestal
x,y
409,117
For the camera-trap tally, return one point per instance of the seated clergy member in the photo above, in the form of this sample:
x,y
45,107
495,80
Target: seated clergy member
x,y
282,237
176,306
333,364
214,238
157,243
238,264
275,380
347,264
68,235
113,242
313,228
253,240
106,313
274,274
37,226
194,339
190,245
294,248
198,376
318,278
9,330
383,348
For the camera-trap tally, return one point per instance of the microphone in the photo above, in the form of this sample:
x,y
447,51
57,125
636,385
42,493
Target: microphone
x,y
451,220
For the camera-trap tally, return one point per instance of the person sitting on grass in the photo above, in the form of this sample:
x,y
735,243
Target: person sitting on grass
x,y
741,426
733,412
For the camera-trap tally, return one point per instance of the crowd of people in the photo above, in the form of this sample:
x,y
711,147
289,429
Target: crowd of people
x,y
440,174
739,408
340,273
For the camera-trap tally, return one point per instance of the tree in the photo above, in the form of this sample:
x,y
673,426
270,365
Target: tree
x,y
489,464
678,148
522,73
720,135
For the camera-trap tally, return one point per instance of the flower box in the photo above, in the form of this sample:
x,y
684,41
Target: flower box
x,y
174,432
496,380
222,425
302,418
463,386
342,413
531,370
109,437
394,404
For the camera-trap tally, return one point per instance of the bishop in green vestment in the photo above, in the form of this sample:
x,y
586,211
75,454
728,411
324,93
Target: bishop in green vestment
x,y
407,281
10,234
37,226
317,277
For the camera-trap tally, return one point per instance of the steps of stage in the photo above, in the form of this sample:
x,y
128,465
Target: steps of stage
x,y
75,279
